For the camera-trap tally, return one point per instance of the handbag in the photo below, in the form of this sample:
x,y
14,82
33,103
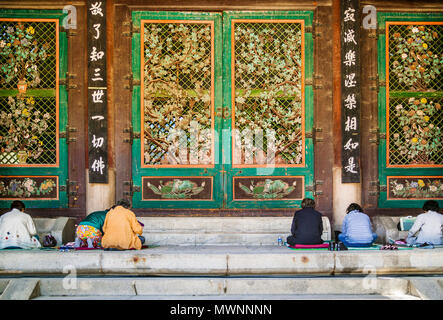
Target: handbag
x,y
49,241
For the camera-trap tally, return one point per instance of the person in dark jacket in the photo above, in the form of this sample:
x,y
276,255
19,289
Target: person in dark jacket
x,y
307,225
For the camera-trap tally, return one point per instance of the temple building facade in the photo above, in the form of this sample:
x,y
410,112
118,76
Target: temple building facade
x,y
221,108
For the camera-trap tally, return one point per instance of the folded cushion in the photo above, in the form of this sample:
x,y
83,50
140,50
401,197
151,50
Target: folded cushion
x,y
310,246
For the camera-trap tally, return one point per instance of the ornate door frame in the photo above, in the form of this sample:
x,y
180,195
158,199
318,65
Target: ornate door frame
x,y
163,185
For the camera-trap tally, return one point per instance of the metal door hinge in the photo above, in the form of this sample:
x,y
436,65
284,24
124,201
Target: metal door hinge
x,y
314,30
132,188
313,188
67,81
132,82
378,188
71,188
315,81
132,29
69,32
375,33
132,135
378,83
313,135
378,136
66,134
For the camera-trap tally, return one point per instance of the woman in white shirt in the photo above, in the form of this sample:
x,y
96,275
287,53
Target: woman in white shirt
x,y
17,230
428,226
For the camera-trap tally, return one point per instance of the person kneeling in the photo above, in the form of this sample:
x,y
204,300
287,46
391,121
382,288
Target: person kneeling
x,y
356,228
90,230
307,225
121,228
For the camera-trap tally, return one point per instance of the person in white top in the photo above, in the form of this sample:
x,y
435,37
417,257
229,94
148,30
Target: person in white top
x,y
428,226
17,229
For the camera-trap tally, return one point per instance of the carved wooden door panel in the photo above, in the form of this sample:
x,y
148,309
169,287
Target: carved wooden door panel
x,y
176,160
410,109
268,63
33,109
222,111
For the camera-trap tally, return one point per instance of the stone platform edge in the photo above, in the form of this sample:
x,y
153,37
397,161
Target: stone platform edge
x,y
221,261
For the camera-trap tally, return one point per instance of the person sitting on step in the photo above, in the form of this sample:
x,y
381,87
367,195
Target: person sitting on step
x,y
17,229
307,225
122,229
356,228
427,227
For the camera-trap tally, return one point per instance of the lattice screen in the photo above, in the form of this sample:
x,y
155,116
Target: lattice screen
x,y
415,94
177,93
28,121
268,93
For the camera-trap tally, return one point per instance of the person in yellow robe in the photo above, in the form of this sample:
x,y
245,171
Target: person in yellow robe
x,y
121,228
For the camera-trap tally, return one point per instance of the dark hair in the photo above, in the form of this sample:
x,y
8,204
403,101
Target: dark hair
x,y
124,203
431,205
17,204
352,207
308,203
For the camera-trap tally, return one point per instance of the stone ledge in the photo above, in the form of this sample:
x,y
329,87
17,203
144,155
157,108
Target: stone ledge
x,y
62,228
238,231
219,260
386,227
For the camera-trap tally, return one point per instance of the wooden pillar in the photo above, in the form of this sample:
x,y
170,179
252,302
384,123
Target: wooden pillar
x,y
122,99
323,108
369,117
77,112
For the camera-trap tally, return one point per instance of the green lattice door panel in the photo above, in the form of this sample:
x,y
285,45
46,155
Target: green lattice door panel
x,y
410,64
33,157
267,63
176,160
185,154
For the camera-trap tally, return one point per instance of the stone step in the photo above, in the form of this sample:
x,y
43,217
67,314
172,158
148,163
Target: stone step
x,y
216,239
215,288
219,230
192,230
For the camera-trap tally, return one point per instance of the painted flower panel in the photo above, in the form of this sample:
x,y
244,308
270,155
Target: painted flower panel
x,y
28,187
415,131
415,57
415,188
